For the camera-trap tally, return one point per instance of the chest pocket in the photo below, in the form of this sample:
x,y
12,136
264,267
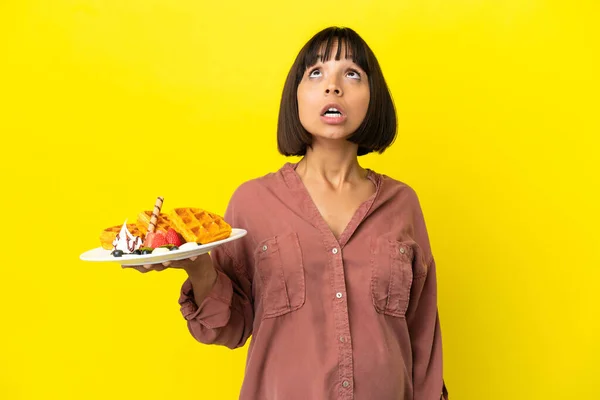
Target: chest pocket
x,y
278,261
391,275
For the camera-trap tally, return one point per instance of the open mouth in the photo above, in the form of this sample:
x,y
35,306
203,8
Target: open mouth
x,y
332,112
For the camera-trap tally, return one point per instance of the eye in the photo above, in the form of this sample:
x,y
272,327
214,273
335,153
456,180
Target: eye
x,y
353,74
315,73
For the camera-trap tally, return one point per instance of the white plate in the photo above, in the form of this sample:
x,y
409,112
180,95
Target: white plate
x,y
100,254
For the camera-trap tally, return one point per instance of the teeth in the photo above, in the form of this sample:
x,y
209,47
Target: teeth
x,y
332,111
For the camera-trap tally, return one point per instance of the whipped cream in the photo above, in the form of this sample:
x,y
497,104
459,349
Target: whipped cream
x,y
125,241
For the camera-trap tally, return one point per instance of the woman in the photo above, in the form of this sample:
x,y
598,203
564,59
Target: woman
x,y
335,280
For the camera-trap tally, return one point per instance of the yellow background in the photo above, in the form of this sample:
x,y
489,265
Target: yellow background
x,y
107,104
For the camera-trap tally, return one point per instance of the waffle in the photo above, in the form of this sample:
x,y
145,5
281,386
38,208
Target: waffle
x,y
109,234
162,223
198,225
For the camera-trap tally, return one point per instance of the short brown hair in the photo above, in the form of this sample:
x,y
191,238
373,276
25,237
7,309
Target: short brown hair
x,y
378,130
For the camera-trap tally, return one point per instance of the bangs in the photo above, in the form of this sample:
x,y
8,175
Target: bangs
x,y
320,48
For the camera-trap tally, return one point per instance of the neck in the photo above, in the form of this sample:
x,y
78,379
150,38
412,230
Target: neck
x,y
332,162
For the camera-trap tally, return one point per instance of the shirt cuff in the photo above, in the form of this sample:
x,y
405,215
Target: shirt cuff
x,y
215,309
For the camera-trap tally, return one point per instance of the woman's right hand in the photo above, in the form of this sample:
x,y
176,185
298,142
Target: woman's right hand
x,y
201,272
192,265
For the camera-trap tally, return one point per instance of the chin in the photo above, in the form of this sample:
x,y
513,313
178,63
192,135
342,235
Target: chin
x,y
332,134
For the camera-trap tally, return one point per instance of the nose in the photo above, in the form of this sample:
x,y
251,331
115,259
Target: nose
x,y
333,88
336,91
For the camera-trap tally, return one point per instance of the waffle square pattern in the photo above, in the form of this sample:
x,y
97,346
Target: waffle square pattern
x,y
198,225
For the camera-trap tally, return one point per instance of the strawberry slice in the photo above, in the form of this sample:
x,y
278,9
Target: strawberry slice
x,y
173,237
148,239
159,239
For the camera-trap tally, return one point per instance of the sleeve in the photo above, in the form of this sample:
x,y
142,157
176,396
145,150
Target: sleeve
x,y
425,337
423,321
226,315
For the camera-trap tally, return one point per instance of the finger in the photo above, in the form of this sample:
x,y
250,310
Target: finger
x,y
138,268
130,266
159,268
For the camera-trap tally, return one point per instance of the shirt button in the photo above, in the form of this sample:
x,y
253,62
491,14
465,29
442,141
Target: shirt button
x,y
345,384
335,250
338,295
342,339
402,250
264,248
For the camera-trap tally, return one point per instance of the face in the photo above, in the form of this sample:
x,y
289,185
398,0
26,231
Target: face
x,y
333,98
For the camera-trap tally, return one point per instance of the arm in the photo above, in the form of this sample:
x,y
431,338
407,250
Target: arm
x,y
225,312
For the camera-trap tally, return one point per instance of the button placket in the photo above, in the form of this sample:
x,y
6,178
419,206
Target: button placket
x,y
342,324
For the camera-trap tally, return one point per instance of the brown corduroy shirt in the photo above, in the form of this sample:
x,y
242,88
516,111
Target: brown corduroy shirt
x,y
354,318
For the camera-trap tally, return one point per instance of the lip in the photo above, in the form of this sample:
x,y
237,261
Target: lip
x,y
333,120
